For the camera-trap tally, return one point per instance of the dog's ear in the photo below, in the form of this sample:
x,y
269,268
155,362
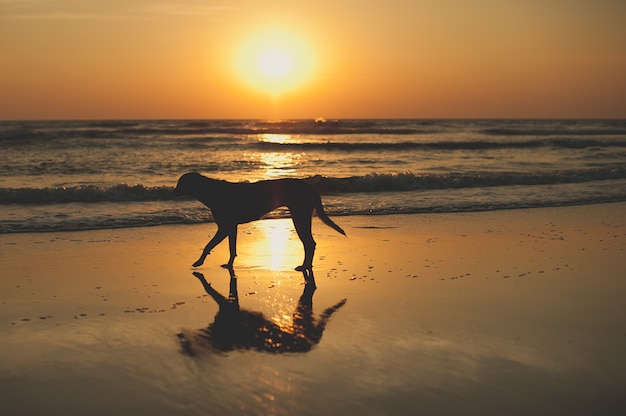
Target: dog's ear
x,y
191,177
181,186
187,183
196,177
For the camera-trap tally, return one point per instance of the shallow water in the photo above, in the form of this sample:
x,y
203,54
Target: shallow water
x,y
85,175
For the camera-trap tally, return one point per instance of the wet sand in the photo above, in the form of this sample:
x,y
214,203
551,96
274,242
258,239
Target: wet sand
x,y
511,312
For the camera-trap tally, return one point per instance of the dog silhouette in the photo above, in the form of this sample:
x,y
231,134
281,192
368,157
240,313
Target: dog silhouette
x,y
237,203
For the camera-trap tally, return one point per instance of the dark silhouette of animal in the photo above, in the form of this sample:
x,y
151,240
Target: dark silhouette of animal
x,y
236,328
236,203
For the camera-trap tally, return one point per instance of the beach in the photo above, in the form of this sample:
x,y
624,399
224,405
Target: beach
x,y
511,312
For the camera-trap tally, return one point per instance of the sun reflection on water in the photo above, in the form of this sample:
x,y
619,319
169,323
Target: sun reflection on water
x,y
278,138
280,165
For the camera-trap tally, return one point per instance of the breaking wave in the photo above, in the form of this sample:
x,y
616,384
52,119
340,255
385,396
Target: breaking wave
x,y
396,182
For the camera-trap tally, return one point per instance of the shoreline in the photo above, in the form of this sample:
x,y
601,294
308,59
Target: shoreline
x,y
276,215
492,312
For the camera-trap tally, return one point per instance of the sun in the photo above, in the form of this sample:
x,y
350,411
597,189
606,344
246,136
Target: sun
x,y
275,61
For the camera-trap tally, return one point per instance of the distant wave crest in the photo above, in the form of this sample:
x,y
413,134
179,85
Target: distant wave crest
x,y
443,145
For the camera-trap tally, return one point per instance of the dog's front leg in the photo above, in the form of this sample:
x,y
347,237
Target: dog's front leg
x,y
217,238
232,246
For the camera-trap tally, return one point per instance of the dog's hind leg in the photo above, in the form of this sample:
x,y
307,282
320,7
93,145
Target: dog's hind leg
x,y
302,222
217,238
232,246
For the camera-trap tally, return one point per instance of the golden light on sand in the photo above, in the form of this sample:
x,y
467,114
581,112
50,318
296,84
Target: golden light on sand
x,y
275,61
274,249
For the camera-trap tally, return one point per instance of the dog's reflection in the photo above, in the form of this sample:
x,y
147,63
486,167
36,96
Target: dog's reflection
x,y
236,328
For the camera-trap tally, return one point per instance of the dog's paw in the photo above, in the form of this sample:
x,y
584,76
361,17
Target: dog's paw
x,y
303,268
198,263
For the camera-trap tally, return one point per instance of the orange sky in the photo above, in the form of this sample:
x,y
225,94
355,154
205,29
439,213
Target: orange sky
x,y
129,59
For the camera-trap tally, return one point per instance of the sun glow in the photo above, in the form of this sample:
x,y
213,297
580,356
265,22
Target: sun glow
x,y
275,62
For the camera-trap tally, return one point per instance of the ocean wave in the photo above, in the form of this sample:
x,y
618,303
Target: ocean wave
x,y
18,131
122,215
101,223
568,143
340,135
563,128
398,182
87,193
392,182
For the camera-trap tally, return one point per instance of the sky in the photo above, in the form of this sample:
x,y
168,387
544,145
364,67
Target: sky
x,y
191,59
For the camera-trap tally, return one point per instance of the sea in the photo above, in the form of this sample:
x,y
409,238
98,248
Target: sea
x,y
87,175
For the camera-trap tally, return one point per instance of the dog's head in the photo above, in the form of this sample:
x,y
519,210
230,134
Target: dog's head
x,y
186,184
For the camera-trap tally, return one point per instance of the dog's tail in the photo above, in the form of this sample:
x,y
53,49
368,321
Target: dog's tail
x,y
319,208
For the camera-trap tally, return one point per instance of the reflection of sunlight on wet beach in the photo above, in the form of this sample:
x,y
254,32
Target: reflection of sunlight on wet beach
x,y
274,248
